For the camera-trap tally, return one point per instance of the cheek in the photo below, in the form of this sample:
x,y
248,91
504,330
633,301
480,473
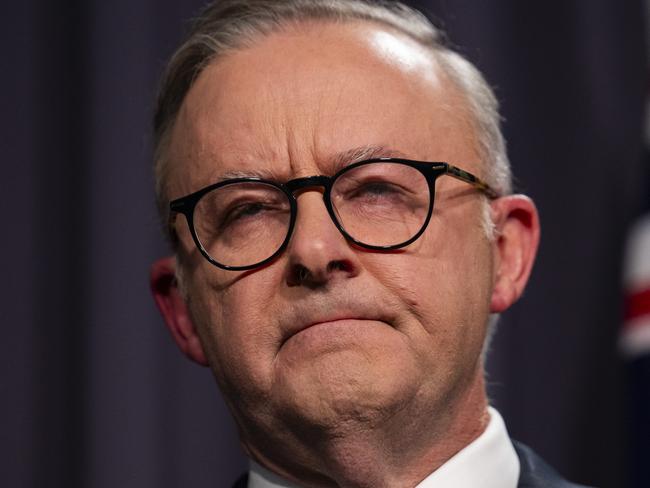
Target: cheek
x,y
444,287
237,329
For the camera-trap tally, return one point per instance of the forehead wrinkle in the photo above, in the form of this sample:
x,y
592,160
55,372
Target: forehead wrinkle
x,y
330,102
302,128
246,146
254,163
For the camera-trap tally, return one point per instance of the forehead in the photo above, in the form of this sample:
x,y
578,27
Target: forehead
x,y
287,105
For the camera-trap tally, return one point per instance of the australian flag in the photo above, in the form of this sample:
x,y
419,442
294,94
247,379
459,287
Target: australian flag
x,y
635,334
635,345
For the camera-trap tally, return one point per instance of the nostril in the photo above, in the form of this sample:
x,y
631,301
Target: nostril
x,y
301,275
338,266
298,275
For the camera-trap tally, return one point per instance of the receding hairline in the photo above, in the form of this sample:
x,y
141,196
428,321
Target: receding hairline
x,y
210,39
230,25
304,25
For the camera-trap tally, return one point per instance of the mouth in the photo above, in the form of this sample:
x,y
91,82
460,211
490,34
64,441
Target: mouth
x,y
346,313
343,321
334,325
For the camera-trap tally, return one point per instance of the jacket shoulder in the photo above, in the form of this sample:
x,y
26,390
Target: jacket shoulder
x,y
242,482
536,473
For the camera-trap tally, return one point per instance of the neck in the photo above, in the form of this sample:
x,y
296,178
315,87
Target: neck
x,y
401,453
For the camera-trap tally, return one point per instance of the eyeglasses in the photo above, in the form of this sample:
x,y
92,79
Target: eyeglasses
x,y
380,204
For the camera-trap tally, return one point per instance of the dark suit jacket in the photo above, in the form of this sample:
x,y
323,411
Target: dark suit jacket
x,y
535,473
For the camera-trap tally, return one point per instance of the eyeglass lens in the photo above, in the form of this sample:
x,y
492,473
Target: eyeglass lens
x,y
377,204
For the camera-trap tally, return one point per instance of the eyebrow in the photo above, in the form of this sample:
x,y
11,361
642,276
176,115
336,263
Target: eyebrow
x,y
350,156
337,162
262,173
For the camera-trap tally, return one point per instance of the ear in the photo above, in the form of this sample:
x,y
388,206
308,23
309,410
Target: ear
x,y
517,227
173,308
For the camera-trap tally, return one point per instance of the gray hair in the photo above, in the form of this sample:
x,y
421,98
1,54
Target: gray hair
x,y
229,25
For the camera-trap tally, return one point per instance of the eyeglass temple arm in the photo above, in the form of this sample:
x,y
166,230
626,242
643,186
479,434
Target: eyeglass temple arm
x,y
471,179
178,206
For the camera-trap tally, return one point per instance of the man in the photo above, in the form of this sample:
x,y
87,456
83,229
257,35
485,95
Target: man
x,y
302,145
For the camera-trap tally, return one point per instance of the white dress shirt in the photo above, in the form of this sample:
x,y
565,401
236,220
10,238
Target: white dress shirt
x,y
489,461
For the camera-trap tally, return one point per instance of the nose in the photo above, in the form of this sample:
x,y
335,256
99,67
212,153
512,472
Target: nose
x,y
318,253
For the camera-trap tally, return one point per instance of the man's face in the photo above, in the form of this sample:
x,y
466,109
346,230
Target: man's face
x,y
364,336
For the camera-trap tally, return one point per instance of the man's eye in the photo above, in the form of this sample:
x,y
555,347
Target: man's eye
x,y
375,190
241,212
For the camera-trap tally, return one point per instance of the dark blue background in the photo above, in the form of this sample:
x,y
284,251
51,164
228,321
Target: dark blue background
x,y
93,392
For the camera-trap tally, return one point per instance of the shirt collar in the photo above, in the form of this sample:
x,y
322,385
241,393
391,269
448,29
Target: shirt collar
x,y
489,461
260,477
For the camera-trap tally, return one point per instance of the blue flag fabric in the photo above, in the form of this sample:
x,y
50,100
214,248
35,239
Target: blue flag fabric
x,y
635,345
635,334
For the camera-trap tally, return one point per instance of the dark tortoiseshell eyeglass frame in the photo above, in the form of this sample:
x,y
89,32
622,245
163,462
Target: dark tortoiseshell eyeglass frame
x,y
430,170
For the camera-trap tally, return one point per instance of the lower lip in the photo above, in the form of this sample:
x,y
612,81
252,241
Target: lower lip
x,y
336,321
340,330
340,323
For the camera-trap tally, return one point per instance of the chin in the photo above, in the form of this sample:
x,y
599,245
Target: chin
x,y
339,390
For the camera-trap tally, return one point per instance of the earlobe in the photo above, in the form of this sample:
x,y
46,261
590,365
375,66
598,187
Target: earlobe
x,y
518,231
173,308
